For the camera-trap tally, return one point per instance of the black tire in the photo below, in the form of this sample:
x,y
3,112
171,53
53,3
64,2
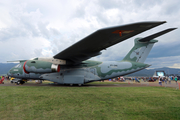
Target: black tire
x,y
22,82
18,82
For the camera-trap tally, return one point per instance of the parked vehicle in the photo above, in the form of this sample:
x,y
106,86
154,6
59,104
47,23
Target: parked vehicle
x,y
1,81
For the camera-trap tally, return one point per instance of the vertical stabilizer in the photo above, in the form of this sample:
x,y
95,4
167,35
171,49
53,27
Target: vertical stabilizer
x,y
140,51
143,46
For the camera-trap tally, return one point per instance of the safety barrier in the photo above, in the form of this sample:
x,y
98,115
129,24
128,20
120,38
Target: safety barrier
x,y
130,82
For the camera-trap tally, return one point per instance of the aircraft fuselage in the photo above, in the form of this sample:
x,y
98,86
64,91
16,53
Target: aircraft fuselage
x,y
88,71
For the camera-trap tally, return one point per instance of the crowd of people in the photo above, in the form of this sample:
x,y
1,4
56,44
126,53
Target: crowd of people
x,y
166,79
118,79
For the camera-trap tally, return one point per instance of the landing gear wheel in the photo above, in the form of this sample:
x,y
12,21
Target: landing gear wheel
x,y
22,82
18,82
71,84
79,85
2,82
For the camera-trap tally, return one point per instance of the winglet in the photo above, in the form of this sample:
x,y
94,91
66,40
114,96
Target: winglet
x,y
148,38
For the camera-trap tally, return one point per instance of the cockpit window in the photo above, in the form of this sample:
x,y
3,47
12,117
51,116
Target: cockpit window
x,y
18,66
34,59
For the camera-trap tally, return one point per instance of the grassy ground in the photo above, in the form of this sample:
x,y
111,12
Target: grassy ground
x,y
89,103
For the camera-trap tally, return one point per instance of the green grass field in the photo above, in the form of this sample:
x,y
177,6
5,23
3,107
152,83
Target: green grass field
x,y
82,103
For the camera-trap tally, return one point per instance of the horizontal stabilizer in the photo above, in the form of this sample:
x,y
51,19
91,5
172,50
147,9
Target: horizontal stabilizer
x,y
148,38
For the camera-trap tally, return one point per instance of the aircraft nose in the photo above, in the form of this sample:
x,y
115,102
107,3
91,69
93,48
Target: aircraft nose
x,y
9,73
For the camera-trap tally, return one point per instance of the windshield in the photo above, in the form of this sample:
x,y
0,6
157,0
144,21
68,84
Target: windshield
x,y
18,66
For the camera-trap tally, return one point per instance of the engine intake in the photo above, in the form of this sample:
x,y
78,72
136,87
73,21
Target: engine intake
x,y
55,68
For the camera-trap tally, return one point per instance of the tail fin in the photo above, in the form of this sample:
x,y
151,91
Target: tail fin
x,y
143,46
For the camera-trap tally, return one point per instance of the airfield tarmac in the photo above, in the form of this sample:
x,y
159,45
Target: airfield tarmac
x,y
116,84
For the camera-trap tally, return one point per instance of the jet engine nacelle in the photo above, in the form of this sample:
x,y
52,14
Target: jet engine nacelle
x,y
36,66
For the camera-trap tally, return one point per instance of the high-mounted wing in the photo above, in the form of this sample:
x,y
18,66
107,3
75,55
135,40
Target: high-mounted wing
x,y
91,45
16,61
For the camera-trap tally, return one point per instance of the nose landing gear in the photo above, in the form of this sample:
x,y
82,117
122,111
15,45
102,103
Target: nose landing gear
x,y
18,81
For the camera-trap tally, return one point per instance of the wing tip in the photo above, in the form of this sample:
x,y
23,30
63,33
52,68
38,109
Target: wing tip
x,y
172,28
161,22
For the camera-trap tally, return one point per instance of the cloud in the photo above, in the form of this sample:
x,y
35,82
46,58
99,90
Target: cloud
x,y
166,50
176,65
163,61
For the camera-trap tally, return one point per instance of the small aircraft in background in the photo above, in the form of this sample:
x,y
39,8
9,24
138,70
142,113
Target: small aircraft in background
x,y
71,66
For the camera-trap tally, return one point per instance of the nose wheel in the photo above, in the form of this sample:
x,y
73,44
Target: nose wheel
x,y
20,82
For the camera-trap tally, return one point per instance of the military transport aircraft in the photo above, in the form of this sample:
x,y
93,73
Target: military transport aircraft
x,y
71,66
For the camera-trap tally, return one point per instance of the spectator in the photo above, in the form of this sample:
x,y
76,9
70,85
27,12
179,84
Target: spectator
x,y
175,79
169,79
162,79
160,82
166,79
136,79
152,79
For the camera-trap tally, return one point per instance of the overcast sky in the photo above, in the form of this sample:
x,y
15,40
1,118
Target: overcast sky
x,y
31,28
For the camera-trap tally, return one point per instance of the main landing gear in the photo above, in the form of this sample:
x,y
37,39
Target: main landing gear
x,y
18,81
78,85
